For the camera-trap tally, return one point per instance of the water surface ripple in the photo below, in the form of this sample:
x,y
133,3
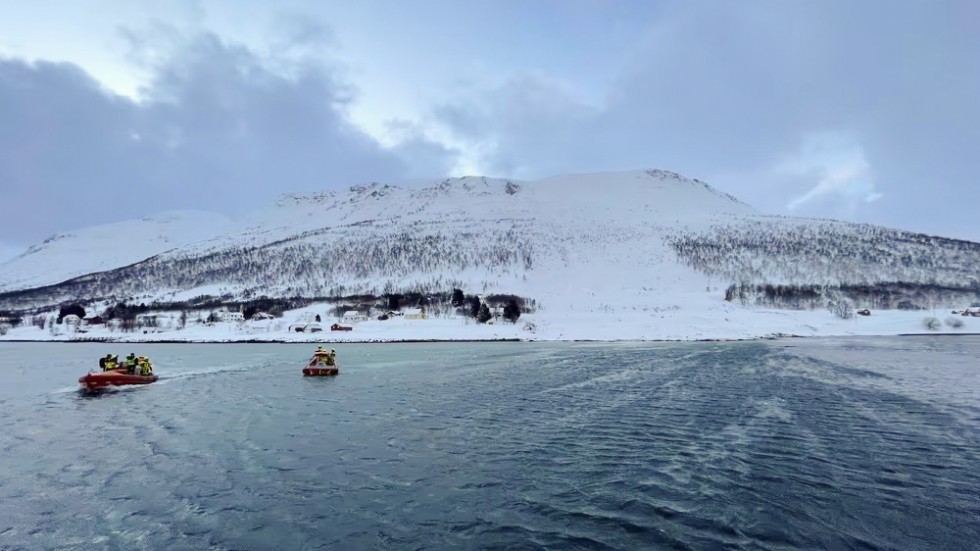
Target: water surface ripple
x,y
818,444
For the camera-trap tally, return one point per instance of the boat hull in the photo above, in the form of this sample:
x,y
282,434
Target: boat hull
x,y
95,381
320,371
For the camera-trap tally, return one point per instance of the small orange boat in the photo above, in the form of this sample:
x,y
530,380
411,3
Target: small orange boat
x,y
321,371
114,377
321,365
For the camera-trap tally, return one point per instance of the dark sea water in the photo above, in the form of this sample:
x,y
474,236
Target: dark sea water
x,y
795,444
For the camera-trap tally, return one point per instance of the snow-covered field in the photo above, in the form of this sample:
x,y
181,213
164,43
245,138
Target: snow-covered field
x,y
721,322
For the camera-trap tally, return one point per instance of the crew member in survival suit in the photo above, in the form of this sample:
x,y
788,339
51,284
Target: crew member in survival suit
x,y
131,364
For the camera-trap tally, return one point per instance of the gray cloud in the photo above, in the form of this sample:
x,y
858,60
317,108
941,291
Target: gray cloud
x,y
730,91
865,111
220,128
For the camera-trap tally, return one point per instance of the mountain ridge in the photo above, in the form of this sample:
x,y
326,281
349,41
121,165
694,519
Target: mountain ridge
x,y
600,241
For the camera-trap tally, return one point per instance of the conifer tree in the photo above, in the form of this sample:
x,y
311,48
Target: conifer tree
x,y
474,303
512,311
457,299
483,315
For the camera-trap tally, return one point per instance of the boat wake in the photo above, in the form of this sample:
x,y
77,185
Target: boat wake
x,y
79,389
200,372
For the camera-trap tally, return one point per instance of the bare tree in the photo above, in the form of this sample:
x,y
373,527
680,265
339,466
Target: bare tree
x,y
932,324
840,306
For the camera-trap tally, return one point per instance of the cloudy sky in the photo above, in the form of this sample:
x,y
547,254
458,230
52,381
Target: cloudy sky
x,y
866,111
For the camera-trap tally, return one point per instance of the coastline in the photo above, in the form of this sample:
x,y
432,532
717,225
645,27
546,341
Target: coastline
x,y
518,340
722,323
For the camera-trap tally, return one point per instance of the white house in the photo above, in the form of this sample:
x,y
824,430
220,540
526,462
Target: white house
x,y
232,316
414,313
352,316
72,319
145,320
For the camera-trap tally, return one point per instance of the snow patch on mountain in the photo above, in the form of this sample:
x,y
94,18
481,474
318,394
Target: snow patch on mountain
x,y
107,246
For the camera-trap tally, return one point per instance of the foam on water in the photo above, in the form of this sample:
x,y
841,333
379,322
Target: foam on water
x,y
173,375
796,445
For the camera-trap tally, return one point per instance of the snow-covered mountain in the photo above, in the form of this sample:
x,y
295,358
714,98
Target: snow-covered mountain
x,y
107,246
602,242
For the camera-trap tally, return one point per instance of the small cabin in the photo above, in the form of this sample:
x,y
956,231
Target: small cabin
x,y
305,328
414,314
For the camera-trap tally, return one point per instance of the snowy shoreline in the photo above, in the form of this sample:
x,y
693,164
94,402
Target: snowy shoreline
x,y
682,319
510,334
430,341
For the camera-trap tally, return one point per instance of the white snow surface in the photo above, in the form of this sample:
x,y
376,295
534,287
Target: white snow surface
x,y
625,197
107,246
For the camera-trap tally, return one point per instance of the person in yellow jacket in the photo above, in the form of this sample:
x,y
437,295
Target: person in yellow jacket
x,y
131,364
319,357
109,362
145,367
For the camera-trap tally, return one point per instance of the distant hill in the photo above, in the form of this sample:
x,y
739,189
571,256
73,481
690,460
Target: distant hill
x,y
586,242
107,246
